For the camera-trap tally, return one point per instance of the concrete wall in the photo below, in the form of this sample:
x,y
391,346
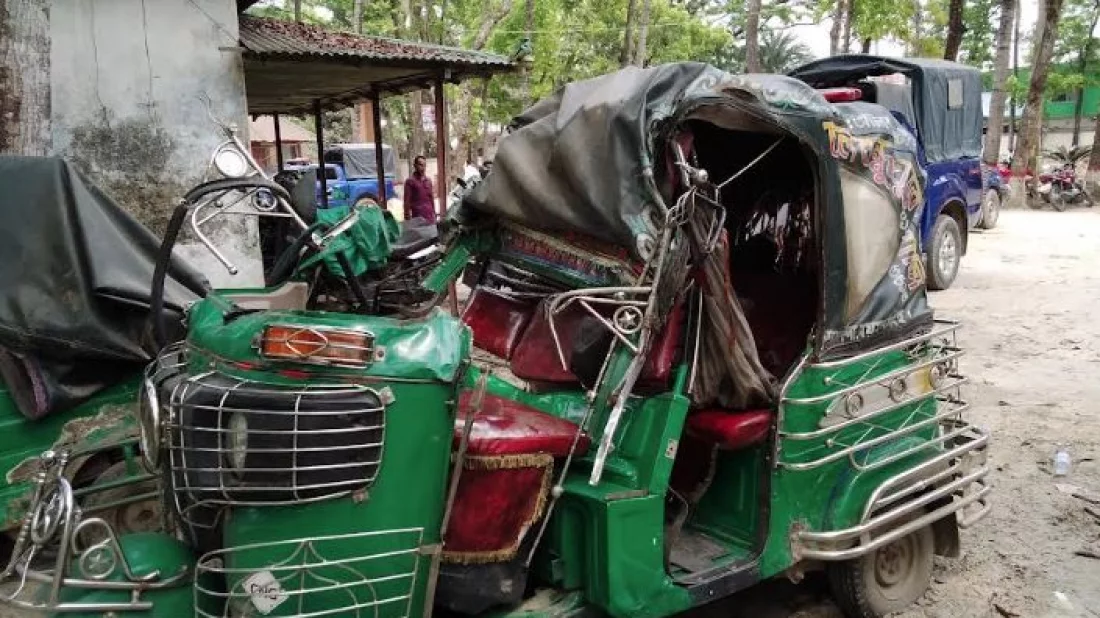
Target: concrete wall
x,y
125,78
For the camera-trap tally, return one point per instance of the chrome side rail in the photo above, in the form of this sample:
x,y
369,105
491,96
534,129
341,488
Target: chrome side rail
x,y
54,520
957,475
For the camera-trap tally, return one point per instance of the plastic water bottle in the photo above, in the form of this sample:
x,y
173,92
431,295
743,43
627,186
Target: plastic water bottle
x,y
1062,461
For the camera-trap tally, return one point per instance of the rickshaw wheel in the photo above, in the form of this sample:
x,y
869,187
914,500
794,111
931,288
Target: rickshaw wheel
x,y
143,516
887,580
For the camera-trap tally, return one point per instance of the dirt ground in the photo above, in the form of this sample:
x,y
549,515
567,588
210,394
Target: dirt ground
x,y
1025,294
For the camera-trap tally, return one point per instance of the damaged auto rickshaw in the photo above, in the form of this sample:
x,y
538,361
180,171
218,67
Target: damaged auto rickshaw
x,y
74,300
697,354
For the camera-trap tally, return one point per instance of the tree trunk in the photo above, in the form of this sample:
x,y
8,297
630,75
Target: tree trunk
x,y
1026,154
866,46
1016,74
849,14
1092,176
752,36
835,30
955,30
25,78
357,16
1000,75
643,31
627,52
1082,64
915,40
298,11
357,116
529,27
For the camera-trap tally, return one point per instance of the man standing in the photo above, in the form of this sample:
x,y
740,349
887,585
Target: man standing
x,y
419,197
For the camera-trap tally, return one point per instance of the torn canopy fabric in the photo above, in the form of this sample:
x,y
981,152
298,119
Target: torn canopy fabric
x,y
594,159
75,287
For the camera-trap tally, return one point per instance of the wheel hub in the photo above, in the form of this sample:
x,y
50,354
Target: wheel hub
x,y
894,563
949,253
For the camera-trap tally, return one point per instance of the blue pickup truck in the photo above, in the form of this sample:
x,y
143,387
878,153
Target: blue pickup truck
x,y
940,102
351,175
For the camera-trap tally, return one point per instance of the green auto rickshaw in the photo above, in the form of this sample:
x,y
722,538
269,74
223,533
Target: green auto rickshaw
x,y
696,354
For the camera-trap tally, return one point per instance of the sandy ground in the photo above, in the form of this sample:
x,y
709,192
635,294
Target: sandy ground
x,y
1024,296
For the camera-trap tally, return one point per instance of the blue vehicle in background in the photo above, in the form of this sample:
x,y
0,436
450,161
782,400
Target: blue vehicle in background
x,y
940,102
351,175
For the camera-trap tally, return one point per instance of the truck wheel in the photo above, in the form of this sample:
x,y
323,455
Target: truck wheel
x,y
887,580
944,255
991,209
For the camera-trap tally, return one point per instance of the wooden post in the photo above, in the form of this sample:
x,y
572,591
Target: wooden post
x,y
379,160
321,176
278,142
441,146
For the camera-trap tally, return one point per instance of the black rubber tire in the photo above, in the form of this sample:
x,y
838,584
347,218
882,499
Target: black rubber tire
x,y
991,209
1057,201
945,235
858,589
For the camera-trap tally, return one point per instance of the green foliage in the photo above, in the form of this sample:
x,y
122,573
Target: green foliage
x,y
1071,154
979,46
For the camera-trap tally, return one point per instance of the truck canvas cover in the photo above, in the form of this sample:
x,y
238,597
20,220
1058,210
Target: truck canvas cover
x,y
74,286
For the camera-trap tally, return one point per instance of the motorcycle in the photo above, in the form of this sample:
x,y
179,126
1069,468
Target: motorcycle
x,y
1062,188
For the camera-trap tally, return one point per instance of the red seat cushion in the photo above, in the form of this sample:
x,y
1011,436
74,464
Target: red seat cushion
x,y
730,430
506,427
497,321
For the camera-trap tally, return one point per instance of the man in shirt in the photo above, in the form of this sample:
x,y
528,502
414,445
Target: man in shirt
x,y
419,197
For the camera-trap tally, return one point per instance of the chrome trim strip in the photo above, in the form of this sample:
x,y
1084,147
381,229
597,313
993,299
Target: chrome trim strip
x,y
953,353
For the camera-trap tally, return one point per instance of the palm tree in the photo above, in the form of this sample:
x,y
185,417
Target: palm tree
x,y
780,52
1000,76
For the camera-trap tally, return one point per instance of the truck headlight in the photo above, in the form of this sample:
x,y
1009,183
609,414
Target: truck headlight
x,y
149,425
236,438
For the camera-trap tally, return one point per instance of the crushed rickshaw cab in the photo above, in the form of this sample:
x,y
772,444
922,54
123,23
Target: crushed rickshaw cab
x,y
697,354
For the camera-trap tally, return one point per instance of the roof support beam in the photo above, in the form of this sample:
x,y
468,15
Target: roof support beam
x,y
321,171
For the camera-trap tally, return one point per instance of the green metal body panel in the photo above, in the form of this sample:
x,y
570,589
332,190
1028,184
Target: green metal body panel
x,y
834,495
432,348
146,552
387,532
105,420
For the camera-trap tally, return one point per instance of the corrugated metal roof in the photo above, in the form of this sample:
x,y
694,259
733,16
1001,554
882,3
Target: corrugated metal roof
x,y
273,38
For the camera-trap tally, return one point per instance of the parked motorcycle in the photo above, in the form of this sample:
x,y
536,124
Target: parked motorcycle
x,y
1062,188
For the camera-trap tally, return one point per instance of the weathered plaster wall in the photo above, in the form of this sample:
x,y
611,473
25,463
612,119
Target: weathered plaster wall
x,y
126,77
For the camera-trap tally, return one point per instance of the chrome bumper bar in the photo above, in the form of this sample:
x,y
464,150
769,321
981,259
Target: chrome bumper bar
x,y
958,474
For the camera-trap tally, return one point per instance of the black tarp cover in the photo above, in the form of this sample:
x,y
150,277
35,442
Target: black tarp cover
x,y
75,276
947,97
589,159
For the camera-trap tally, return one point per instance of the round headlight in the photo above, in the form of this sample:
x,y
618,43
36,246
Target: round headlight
x,y
237,440
230,163
149,425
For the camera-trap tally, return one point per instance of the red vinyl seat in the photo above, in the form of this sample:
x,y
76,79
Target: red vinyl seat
x,y
497,321
503,426
730,430
536,355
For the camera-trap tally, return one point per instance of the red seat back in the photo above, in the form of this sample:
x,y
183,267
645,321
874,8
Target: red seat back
x,y
536,355
497,320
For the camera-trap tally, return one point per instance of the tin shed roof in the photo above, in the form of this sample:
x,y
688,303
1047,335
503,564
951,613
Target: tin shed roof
x,y
289,65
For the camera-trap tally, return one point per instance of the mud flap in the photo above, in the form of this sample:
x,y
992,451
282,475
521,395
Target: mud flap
x,y
946,531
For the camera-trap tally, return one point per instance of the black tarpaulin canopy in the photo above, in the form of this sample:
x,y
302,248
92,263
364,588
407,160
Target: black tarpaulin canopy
x,y
74,286
946,97
359,160
590,160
